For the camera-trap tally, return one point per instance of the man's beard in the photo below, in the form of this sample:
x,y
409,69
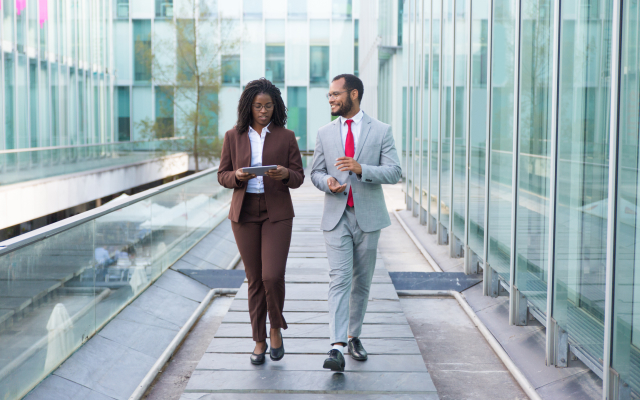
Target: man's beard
x,y
344,109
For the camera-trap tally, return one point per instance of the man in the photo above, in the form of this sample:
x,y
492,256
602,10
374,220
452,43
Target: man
x,y
354,155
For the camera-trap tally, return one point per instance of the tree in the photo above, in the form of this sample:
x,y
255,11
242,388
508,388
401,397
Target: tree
x,y
187,72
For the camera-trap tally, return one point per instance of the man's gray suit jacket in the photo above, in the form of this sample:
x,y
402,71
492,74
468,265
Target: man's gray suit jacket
x,y
377,155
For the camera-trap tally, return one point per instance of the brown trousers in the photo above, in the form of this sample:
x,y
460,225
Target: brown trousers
x,y
264,248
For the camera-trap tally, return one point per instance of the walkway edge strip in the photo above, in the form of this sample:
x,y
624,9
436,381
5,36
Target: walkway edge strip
x,y
420,247
488,336
234,262
168,352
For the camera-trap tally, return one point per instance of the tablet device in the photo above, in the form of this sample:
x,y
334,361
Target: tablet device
x,y
259,171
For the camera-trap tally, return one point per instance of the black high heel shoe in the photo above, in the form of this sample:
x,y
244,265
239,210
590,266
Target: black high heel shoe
x,y
258,359
277,354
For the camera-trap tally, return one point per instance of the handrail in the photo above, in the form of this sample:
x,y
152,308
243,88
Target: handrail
x,y
28,238
27,149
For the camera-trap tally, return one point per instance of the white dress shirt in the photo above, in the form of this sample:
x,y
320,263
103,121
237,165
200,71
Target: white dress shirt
x,y
256,185
356,126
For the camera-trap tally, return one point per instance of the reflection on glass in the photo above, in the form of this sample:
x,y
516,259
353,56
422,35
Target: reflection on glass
x,y
297,9
417,109
583,150
252,9
164,111
445,112
342,9
626,318
9,89
499,224
319,65
534,124
478,124
55,292
297,114
435,109
274,68
164,8
460,126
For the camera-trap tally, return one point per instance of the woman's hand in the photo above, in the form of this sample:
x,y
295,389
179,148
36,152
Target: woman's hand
x,y
279,174
243,176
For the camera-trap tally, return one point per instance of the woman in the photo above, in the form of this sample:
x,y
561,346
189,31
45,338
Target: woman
x,y
261,211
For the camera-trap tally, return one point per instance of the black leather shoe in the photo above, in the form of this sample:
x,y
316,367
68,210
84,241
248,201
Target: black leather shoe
x,y
335,362
277,354
257,359
356,350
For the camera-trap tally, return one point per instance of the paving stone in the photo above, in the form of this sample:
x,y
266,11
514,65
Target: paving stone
x,y
324,278
149,340
313,362
310,382
320,318
320,291
297,396
373,306
316,331
316,346
178,283
57,388
165,305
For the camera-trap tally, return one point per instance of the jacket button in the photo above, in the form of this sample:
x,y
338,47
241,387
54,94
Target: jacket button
x,y
350,173
345,193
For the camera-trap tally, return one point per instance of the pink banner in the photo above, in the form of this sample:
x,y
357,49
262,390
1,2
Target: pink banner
x,y
21,5
44,12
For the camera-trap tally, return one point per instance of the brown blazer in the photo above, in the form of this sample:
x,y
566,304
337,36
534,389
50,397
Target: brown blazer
x,y
280,148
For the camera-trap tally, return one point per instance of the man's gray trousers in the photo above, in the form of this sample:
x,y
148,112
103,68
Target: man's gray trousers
x,y
352,260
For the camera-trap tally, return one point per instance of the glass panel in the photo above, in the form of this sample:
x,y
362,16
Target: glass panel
x,y
583,158
341,55
435,108
319,65
142,50
164,8
122,8
297,9
445,112
275,64
44,103
417,106
252,51
7,21
9,99
426,15
82,119
297,53
626,317
460,123
356,42
535,146
164,111
297,115
342,9
22,138
124,114
55,292
64,94
33,24
499,224
410,67
33,102
231,70
252,9
478,124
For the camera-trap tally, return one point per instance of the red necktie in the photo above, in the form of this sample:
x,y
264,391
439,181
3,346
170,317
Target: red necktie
x,y
349,151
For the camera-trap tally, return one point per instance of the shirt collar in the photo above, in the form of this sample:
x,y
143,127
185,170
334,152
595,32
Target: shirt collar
x,y
265,129
356,118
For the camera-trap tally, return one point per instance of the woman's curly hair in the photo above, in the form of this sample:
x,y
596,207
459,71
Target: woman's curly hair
x,y
254,88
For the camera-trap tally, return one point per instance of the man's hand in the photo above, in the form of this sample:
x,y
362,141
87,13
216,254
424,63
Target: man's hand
x,y
243,176
334,186
279,174
348,164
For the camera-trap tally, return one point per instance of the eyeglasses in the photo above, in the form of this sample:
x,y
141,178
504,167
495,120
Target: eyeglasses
x,y
259,107
335,95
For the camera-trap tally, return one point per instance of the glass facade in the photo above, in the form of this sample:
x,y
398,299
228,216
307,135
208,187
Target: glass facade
x,y
527,125
50,48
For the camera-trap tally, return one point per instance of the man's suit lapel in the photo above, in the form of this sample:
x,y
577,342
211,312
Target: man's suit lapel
x,y
364,133
337,138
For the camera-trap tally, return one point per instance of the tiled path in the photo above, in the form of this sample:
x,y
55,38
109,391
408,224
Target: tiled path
x,y
395,369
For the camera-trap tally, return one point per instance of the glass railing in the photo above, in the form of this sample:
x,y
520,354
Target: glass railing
x,y
29,164
60,284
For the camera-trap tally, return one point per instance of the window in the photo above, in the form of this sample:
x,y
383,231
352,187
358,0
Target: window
x,y
356,37
297,116
142,50
123,124
231,70
164,8
164,111
342,9
122,8
319,66
274,69
297,9
252,9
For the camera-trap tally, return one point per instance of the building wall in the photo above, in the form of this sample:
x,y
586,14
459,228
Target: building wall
x,y
56,73
300,45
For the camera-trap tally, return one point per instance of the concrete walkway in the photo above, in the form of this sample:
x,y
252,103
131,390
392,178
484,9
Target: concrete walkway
x,y
395,368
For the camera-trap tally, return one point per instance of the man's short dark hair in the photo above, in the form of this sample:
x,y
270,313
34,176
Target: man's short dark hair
x,y
352,82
